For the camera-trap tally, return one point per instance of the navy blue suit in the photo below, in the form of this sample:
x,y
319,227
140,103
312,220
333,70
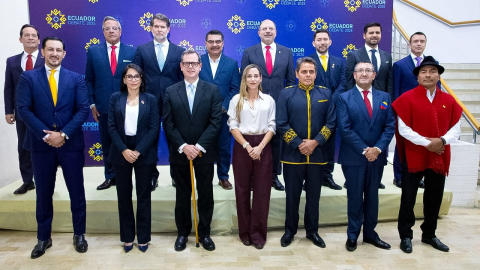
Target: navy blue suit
x,y
101,84
36,108
12,76
358,131
227,79
333,79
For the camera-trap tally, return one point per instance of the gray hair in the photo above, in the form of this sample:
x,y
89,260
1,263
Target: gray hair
x,y
363,62
191,51
110,18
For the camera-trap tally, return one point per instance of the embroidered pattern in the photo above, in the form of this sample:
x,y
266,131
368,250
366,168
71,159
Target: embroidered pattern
x,y
325,132
289,136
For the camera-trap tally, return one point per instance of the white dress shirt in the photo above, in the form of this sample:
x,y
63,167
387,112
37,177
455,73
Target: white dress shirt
x,y
369,95
214,65
109,51
180,149
408,133
415,60
23,62
255,120
131,119
56,75
165,46
377,55
273,50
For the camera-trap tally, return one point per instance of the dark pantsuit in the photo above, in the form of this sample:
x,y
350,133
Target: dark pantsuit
x,y
24,157
203,182
330,149
144,202
106,143
224,145
362,194
432,200
397,165
276,143
45,170
294,176
252,220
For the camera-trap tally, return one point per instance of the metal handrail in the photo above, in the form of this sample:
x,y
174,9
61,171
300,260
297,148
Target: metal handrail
x,y
404,36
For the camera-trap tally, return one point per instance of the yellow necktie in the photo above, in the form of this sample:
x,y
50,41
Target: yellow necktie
x,y
53,86
324,62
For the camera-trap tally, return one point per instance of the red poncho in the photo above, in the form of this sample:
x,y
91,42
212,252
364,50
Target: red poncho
x,y
429,119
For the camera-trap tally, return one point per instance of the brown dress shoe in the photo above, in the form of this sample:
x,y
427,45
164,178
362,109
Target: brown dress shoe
x,y
225,184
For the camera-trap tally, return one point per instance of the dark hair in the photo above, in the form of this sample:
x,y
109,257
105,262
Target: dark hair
x,y
302,60
418,33
31,26
320,31
213,32
363,62
44,41
371,24
123,86
161,17
190,51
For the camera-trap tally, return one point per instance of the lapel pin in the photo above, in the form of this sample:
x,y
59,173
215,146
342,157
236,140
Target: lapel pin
x,y
143,102
333,65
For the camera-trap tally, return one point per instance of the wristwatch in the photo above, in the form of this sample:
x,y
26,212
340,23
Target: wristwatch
x,y
63,135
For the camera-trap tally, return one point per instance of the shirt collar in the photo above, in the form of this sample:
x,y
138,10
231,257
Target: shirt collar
x,y
110,45
194,84
361,89
414,56
261,95
305,87
319,55
368,48
273,46
164,44
50,70
211,60
34,54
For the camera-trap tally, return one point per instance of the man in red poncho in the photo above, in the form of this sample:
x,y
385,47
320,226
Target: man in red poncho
x,y
428,120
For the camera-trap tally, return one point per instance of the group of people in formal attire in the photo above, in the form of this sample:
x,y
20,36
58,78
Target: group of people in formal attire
x,y
203,101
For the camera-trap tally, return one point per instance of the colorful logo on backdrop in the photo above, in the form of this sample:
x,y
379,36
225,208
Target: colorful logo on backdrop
x,y
374,3
93,41
236,24
270,4
145,21
56,19
352,5
96,152
320,23
184,2
93,1
349,48
185,44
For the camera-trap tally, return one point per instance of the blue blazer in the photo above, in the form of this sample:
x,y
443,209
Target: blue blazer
x,y
336,75
101,83
147,129
12,77
227,77
358,131
283,73
156,81
36,109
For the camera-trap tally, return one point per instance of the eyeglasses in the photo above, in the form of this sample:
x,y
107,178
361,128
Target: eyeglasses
x,y
114,28
188,64
133,77
366,71
218,42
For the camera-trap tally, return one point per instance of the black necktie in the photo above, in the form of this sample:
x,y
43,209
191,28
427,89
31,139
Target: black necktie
x,y
374,59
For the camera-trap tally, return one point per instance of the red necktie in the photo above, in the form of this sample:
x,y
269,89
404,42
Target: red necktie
x,y
367,103
29,65
113,60
269,63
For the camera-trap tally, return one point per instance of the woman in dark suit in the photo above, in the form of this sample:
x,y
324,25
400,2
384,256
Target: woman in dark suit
x,y
252,123
133,125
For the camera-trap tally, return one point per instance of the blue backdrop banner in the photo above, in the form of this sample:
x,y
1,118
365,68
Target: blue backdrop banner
x,y
79,24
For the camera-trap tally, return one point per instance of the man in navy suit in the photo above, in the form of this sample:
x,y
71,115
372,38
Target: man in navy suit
x,y
53,103
366,124
160,60
276,65
330,74
222,71
103,76
403,81
27,60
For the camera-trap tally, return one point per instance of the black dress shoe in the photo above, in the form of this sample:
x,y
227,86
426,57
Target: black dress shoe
x,y
246,243
24,188
351,245
143,248
316,239
259,246
276,184
181,243
107,184
345,185
208,243
303,187
174,184
328,182
406,245
154,183
381,186
436,243
80,243
127,248
286,240
397,182
40,248
377,242
421,184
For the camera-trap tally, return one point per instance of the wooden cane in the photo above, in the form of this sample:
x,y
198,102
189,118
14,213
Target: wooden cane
x,y
194,204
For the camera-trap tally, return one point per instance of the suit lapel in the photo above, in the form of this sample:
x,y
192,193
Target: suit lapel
x,y
42,78
220,65
62,83
39,62
376,104
410,64
18,63
141,106
320,71
361,103
259,55
207,67
121,56
106,62
123,103
198,96
182,93
153,56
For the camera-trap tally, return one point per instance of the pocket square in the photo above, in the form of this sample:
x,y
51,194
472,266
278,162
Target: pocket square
x,y
127,61
323,100
383,106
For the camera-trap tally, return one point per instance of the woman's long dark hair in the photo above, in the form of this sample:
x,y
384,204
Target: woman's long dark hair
x,y
123,86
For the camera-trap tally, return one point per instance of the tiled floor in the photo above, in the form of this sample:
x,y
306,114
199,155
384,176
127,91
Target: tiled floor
x,y
460,230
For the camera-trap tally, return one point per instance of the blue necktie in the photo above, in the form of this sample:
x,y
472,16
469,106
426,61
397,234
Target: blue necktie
x,y
191,97
374,60
160,57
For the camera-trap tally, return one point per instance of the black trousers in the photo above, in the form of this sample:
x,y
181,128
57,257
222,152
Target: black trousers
x,y
276,143
432,200
203,182
106,143
294,176
330,150
143,176
24,157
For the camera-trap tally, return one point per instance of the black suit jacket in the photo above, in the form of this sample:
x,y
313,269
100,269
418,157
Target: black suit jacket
x,y
12,77
283,73
384,78
202,126
147,129
335,81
